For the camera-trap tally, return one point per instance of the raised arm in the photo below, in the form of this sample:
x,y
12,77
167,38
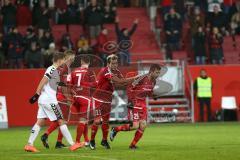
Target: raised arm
x,y
134,27
117,30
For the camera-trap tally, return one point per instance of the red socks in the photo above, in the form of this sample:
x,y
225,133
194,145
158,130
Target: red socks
x,y
51,128
80,130
137,137
105,130
85,133
125,127
60,136
94,131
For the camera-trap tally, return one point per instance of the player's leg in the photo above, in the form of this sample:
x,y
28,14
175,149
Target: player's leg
x,y
105,109
84,104
85,134
138,134
97,121
35,130
54,113
59,143
142,125
127,127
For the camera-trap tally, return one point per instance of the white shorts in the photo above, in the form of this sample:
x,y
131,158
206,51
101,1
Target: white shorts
x,y
50,111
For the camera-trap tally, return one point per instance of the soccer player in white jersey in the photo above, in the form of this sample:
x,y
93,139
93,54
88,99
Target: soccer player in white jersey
x,y
48,105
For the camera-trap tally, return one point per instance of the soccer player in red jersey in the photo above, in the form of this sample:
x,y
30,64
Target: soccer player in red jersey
x,y
141,88
107,78
81,80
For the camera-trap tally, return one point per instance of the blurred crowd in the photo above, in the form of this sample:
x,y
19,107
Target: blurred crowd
x,y
209,21
35,48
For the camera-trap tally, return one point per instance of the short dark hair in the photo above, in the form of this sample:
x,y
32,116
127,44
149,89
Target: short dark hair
x,y
111,58
85,59
58,56
154,67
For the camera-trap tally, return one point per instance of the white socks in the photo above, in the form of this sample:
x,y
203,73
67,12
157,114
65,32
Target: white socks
x,y
34,133
66,134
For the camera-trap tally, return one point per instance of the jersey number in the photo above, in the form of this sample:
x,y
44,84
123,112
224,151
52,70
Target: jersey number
x,y
79,75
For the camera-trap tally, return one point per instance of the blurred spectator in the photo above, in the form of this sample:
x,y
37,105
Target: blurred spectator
x,y
173,27
44,16
48,55
8,12
40,39
214,4
29,37
166,6
73,13
34,57
124,39
23,9
109,11
83,45
14,42
235,8
216,19
94,18
47,39
61,14
199,46
196,20
101,41
235,23
67,42
227,6
41,15
215,42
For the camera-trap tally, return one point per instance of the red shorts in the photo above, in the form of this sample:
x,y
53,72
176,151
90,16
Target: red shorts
x,y
139,111
81,107
101,109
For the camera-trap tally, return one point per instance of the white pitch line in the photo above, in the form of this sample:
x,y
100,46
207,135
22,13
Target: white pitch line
x,y
69,155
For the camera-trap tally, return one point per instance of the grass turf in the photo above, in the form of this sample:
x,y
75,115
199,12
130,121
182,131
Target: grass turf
x,y
201,141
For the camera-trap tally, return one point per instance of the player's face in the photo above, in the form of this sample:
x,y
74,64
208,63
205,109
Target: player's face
x,y
156,74
113,64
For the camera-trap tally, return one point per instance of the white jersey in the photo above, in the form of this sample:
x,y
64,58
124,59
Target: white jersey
x,y
49,91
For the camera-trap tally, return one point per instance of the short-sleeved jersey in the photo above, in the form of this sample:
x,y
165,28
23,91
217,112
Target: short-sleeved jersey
x,y
48,93
105,86
143,87
82,80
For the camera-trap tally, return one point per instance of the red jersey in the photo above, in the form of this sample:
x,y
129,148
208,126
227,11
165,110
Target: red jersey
x,y
105,87
143,87
82,80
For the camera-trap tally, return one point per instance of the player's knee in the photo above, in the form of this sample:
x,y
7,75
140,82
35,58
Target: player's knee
x,y
61,122
40,122
143,125
135,125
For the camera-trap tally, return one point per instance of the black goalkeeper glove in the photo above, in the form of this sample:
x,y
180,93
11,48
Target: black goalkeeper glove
x,y
34,98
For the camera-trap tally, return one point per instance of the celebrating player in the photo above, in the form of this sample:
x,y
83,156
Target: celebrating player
x,y
48,105
141,88
102,98
81,80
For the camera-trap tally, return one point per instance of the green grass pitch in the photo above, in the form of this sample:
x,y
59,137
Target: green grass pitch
x,y
201,141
